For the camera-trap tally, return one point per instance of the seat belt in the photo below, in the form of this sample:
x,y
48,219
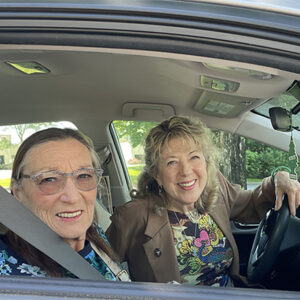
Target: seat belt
x,y
16,217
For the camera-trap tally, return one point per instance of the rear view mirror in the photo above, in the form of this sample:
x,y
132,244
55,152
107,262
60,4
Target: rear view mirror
x,y
281,119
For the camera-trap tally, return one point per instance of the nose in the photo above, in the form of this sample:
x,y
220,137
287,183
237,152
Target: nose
x,y
185,168
70,192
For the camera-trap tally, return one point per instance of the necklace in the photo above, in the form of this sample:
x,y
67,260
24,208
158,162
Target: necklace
x,y
193,251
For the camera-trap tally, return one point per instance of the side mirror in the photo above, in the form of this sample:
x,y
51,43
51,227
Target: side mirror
x,y
281,119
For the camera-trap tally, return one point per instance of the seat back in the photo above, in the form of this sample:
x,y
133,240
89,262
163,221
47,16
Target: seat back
x,y
103,216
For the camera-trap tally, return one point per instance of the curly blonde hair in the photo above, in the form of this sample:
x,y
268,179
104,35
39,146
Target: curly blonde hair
x,y
191,130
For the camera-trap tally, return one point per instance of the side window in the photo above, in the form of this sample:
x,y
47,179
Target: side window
x,y
10,139
131,136
242,161
245,161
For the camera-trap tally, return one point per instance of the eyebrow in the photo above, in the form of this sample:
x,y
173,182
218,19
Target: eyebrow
x,y
194,151
174,156
51,169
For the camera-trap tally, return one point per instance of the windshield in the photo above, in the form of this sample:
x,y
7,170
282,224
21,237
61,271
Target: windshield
x,y
287,100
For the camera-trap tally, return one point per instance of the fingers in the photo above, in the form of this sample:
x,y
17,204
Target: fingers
x,y
282,186
278,201
285,185
298,200
294,197
292,204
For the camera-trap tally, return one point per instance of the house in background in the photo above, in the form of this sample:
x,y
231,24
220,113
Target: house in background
x,y
7,151
132,155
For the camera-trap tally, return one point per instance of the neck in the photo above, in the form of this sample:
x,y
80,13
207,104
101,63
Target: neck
x,y
76,244
181,208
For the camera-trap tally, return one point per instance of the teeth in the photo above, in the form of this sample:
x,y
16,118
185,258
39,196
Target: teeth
x,y
69,215
187,184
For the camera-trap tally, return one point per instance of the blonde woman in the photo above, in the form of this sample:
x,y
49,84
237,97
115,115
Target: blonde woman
x,y
177,228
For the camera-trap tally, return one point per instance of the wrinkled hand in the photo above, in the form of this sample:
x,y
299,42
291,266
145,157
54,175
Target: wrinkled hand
x,y
285,185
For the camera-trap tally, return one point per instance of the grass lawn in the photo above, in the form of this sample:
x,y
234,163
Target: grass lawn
x,y
5,182
134,172
254,180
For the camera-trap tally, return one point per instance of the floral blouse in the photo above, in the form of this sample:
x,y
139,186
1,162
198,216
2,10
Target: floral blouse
x,y
203,252
13,264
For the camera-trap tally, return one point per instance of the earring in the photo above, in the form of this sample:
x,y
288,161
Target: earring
x,y
160,190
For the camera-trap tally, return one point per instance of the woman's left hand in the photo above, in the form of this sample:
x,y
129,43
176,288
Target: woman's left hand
x,y
291,187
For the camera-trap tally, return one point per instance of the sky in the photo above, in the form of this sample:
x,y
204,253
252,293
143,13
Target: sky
x,y
15,139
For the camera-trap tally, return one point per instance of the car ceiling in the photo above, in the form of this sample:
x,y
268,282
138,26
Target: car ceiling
x,y
109,61
85,84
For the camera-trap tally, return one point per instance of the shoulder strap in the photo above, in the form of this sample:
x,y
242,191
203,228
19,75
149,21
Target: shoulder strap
x,y
121,275
16,217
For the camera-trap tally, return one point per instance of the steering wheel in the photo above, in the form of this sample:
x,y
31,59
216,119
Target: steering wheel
x,y
267,242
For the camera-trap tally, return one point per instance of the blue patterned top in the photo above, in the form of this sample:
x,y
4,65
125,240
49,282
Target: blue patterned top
x,y
12,264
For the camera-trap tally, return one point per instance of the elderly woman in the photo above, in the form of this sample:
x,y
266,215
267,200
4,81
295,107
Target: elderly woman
x,y
55,175
178,226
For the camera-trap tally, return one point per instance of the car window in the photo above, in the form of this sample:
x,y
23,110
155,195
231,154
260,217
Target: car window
x,y
10,139
131,136
242,160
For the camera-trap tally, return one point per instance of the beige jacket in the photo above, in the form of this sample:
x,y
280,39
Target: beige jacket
x,y
143,238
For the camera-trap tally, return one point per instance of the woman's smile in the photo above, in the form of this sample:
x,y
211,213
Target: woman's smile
x,y
187,185
70,216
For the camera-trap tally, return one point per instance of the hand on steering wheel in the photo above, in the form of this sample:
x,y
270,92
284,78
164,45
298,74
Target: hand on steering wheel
x,y
285,185
267,241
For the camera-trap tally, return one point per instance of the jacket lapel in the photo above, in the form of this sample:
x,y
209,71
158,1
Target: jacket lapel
x,y
159,248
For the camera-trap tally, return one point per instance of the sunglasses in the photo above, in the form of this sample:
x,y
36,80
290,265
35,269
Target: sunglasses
x,y
52,182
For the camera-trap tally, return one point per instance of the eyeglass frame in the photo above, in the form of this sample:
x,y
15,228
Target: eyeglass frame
x,y
98,172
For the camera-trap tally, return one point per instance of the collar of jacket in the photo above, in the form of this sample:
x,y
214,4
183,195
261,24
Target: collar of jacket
x,y
160,248
155,221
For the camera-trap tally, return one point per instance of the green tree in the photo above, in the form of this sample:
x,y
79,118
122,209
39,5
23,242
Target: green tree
x,y
262,159
5,144
21,128
133,131
232,156
255,146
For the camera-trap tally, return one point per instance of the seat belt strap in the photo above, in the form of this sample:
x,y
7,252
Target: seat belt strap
x,y
16,217
120,274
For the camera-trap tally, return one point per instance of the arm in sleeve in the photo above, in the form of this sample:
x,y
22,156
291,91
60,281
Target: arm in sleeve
x,y
126,232
115,235
247,206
